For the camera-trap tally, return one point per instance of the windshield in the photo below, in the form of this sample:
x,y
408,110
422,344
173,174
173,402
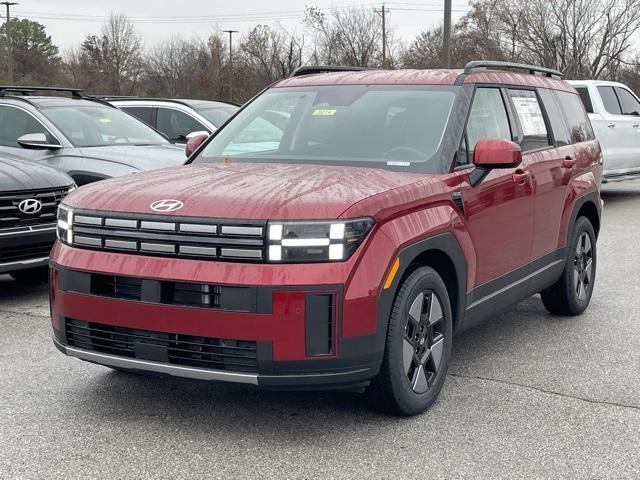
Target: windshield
x,y
337,124
93,126
217,115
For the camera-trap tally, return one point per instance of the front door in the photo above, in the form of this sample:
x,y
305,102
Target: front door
x,y
498,210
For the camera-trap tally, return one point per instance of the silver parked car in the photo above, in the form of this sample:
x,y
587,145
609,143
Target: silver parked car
x,y
87,138
177,119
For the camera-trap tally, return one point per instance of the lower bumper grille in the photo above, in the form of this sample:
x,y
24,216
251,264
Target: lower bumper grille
x,y
16,254
172,348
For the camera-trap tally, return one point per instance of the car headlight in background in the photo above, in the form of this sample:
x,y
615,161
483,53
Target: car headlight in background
x,y
65,224
316,241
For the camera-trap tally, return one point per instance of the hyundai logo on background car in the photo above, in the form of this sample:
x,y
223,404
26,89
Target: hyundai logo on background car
x,y
30,206
169,205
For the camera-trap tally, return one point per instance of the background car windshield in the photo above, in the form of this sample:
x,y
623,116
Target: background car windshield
x,y
217,115
337,124
92,126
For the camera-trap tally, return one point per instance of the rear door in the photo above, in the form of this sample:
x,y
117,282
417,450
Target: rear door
x,y
498,210
621,143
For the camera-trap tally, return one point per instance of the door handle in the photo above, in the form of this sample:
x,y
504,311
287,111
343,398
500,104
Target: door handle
x,y
611,125
636,125
568,162
520,176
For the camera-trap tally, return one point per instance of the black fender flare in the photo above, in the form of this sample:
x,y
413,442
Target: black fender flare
x,y
445,243
578,203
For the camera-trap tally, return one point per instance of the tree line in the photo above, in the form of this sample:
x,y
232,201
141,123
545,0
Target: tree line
x,y
582,38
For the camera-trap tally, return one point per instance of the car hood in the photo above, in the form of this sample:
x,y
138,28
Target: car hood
x,y
140,157
18,174
244,190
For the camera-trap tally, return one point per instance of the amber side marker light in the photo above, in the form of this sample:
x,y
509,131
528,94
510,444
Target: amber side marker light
x,y
392,273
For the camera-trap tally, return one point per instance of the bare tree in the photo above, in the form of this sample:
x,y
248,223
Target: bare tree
x,y
346,37
271,54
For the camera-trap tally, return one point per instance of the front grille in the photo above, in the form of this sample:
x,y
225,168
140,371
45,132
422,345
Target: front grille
x,y
17,254
155,235
12,217
174,348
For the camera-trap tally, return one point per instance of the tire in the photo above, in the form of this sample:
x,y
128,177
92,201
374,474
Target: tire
x,y
571,294
31,275
416,357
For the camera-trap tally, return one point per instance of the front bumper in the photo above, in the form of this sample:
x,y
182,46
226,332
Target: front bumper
x,y
271,307
26,248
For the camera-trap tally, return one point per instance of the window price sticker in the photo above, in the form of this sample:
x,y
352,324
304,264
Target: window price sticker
x,y
530,115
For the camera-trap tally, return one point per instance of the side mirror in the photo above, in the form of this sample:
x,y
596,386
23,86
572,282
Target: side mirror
x,y
491,153
37,141
194,140
496,153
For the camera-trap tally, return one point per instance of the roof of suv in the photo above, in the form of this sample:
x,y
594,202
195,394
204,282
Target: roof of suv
x,y
425,77
50,101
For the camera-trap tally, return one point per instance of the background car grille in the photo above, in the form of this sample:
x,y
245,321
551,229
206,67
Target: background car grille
x,y
12,217
156,235
187,350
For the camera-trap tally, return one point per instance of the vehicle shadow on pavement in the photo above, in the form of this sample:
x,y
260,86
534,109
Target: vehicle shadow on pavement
x,y
219,408
16,292
614,195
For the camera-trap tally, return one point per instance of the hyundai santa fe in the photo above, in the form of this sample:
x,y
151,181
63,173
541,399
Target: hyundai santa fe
x,y
344,246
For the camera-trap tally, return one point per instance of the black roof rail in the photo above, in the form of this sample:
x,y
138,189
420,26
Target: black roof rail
x,y
28,90
496,65
313,69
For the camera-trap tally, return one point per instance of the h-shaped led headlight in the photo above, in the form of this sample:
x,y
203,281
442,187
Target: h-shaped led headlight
x,y
316,241
65,224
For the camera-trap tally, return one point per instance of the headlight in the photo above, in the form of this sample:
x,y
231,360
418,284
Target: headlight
x,y
316,241
65,224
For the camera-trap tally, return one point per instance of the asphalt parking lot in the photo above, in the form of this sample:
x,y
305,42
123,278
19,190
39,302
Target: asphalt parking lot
x,y
529,395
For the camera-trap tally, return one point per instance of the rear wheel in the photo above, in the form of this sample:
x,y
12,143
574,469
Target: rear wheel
x,y
571,294
31,275
418,346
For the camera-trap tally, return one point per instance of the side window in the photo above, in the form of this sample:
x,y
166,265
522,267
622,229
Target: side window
x,y
630,104
529,116
141,113
487,119
576,117
177,125
14,123
610,100
560,129
586,98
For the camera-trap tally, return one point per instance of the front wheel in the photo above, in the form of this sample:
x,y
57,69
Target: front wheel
x,y
418,346
571,294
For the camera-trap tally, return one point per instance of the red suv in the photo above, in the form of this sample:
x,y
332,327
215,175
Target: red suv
x,y
337,232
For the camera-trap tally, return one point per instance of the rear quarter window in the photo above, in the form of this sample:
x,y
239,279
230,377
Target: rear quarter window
x,y
575,117
559,127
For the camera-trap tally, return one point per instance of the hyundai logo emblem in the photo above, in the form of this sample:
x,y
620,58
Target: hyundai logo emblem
x,y
166,205
30,206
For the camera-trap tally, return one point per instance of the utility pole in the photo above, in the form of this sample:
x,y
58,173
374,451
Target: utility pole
x,y
7,31
446,43
383,14
230,32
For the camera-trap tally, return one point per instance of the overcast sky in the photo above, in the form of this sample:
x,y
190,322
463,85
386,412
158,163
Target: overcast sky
x,y
68,21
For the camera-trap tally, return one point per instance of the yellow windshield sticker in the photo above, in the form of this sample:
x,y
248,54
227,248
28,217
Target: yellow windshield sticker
x,y
324,112
105,120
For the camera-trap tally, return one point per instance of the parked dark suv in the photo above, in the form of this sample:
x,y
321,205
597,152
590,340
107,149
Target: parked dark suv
x,y
343,247
29,198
